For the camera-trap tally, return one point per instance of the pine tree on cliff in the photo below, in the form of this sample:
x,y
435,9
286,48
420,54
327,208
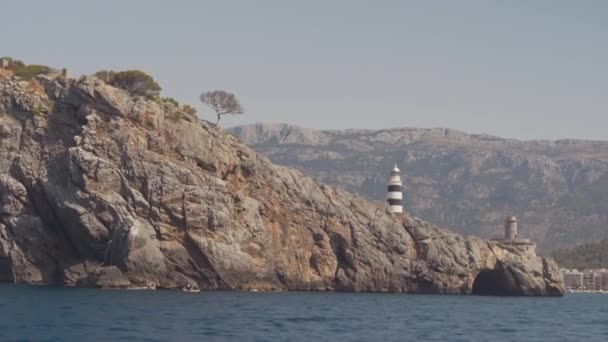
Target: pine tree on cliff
x,y
222,102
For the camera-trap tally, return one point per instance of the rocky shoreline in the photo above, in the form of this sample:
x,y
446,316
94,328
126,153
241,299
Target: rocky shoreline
x,y
100,188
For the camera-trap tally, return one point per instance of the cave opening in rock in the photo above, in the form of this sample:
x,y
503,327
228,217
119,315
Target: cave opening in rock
x,y
6,272
494,283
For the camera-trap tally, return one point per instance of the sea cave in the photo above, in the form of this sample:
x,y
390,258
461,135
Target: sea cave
x,y
496,282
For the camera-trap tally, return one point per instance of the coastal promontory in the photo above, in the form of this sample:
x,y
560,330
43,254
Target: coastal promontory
x,y
101,187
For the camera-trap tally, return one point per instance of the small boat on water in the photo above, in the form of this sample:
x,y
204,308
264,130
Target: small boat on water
x,y
190,288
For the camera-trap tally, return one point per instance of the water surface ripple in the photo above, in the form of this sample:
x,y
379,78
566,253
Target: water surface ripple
x,y
30,313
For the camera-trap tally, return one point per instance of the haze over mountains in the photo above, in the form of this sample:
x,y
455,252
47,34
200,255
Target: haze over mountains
x,y
464,181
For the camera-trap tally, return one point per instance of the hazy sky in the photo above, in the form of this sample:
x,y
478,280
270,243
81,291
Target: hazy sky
x,y
521,69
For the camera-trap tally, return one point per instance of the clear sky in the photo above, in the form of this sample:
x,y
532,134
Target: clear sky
x,y
520,69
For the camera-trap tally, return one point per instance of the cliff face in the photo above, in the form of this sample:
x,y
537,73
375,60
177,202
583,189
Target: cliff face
x,y
466,182
99,188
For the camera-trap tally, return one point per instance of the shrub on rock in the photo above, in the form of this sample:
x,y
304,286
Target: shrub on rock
x,y
135,82
24,71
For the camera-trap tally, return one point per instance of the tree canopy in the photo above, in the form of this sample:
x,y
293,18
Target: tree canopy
x,y
586,256
222,102
135,82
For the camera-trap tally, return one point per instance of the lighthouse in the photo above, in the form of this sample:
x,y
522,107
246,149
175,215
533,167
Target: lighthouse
x,y
511,228
394,196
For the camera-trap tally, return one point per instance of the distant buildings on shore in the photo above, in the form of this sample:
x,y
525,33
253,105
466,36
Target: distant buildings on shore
x,y
587,280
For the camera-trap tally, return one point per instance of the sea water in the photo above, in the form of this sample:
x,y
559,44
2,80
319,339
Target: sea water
x,y
31,313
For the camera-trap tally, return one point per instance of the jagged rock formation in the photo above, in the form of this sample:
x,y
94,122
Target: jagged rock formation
x,y
100,188
453,179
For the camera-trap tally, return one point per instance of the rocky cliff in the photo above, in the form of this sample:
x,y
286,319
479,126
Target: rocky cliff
x,y
102,188
453,179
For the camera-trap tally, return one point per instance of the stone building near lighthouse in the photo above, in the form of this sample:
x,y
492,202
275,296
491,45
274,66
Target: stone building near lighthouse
x,y
394,196
511,237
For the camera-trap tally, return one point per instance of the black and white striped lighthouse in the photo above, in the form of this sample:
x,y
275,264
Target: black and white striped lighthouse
x,y
394,196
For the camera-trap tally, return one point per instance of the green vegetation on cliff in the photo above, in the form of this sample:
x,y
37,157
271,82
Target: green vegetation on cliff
x,y
135,82
24,71
590,255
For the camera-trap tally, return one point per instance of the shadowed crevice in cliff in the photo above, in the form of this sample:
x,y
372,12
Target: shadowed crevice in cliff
x,y
344,258
6,271
209,278
42,206
496,282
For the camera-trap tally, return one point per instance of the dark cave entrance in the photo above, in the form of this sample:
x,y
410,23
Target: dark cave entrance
x,y
495,282
6,271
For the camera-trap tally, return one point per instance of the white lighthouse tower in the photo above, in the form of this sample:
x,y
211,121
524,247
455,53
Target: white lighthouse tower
x,y
394,196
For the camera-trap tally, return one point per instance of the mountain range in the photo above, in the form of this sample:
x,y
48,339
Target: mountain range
x,y
468,182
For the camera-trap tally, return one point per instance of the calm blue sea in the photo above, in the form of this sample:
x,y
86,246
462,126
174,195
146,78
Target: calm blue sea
x,y
59,314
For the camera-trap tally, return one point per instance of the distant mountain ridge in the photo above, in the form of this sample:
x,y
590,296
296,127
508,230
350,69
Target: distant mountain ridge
x,y
465,181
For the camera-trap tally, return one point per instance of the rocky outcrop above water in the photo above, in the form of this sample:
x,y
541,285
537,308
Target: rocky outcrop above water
x,y
463,181
101,188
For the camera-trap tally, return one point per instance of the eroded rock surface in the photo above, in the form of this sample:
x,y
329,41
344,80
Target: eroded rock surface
x,y
99,188
463,181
